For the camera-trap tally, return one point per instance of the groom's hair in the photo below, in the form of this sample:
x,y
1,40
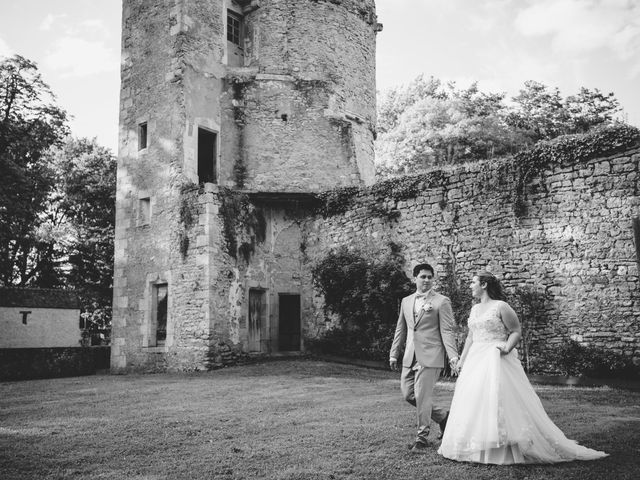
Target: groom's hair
x,y
423,266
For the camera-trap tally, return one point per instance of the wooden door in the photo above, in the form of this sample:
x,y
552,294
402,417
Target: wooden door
x,y
257,318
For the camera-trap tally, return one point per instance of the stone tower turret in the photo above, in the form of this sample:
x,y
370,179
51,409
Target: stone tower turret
x,y
272,97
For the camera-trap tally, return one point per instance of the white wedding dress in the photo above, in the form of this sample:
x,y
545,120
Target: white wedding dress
x,y
496,416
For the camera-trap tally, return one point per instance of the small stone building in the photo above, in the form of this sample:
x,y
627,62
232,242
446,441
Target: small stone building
x,y
39,318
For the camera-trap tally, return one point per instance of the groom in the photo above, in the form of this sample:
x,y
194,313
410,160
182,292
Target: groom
x,y
426,330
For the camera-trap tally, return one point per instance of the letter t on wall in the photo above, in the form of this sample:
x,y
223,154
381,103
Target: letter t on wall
x,y
24,317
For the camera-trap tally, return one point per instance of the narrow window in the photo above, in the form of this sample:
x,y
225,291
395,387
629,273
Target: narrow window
x,y
142,136
636,236
159,313
207,153
234,27
144,211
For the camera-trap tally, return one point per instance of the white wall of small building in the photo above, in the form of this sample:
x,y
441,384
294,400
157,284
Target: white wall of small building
x,y
45,327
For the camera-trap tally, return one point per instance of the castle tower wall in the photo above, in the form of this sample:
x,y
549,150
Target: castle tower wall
x,y
304,102
295,109
156,214
287,106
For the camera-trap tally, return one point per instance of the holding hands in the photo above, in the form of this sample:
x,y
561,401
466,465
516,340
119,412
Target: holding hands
x,y
456,364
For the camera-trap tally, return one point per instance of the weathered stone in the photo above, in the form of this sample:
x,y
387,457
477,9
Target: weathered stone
x,y
296,114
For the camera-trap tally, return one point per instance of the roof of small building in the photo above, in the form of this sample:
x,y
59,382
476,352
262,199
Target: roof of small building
x,y
38,298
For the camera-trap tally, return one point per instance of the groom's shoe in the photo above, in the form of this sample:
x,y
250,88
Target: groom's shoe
x,y
419,447
443,425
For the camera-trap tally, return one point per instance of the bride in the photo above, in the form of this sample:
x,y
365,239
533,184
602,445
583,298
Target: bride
x,y
496,416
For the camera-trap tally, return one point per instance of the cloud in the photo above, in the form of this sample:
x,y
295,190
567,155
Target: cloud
x,y
582,26
5,50
50,20
73,56
80,48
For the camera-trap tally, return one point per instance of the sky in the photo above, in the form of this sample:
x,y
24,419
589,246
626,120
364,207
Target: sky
x,y
500,44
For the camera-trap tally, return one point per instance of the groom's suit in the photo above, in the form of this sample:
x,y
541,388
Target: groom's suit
x,y
426,333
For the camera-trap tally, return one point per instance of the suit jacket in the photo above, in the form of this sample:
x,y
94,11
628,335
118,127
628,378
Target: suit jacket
x,y
427,335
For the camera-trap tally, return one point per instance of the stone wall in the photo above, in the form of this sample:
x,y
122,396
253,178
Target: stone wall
x,y
299,115
295,113
148,245
573,242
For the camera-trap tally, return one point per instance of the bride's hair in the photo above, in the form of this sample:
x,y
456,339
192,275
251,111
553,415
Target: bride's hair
x,y
494,287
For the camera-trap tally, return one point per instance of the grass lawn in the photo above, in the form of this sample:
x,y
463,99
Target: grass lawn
x,y
298,419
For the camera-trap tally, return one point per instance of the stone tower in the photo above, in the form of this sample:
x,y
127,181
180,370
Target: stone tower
x,y
232,113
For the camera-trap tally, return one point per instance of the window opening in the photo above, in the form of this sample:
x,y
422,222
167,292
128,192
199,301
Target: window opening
x,y
142,136
144,211
207,154
234,27
159,314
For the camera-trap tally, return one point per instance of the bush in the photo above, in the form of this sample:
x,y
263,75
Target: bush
x,y
363,292
575,359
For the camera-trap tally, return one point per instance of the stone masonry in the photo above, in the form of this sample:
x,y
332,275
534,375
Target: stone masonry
x,y
220,96
226,137
575,243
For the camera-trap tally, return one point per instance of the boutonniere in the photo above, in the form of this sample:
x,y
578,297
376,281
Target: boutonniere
x,y
427,307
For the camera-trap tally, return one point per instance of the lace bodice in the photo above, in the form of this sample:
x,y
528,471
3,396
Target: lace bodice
x,y
487,327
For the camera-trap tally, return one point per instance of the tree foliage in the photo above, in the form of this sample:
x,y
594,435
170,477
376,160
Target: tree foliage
x,y
57,196
82,208
362,292
427,124
30,123
540,112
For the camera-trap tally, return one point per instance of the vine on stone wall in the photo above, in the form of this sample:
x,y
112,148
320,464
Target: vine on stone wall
x,y
239,85
239,171
335,201
568,150
530,305
187,215
409,186
244,224
526,165
383,211
340,200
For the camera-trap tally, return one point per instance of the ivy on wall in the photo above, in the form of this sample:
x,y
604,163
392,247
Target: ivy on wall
x,y
187,215
568,150
513,173
244,224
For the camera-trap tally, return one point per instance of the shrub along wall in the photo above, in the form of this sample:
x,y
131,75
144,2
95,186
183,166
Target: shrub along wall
x,y
28,363
557,221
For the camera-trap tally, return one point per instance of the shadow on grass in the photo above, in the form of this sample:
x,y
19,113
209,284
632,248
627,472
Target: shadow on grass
x,y
294,419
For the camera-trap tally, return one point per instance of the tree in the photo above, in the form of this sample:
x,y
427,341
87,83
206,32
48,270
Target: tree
x,y
589,109
427,124
541,113
82,209
30,123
